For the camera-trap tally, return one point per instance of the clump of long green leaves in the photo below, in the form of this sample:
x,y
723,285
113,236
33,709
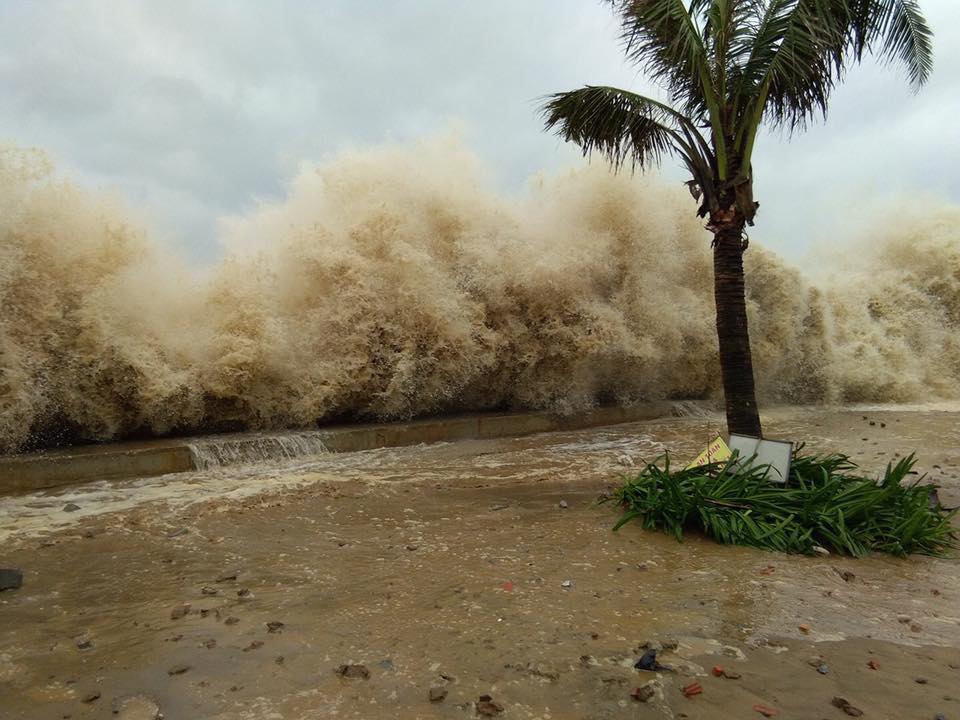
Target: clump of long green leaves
x,y
825,503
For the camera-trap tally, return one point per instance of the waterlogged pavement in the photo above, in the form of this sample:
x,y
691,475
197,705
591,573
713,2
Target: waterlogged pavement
x,y
462,570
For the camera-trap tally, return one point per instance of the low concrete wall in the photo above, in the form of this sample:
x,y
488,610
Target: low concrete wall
x,y
23,473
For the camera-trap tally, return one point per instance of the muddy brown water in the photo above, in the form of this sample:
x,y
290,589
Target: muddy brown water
x,y
454,565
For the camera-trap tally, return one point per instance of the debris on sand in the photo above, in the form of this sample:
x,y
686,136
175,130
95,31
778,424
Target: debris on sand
x,y
437,693
488,707
275,626
353,671
179,611
178,669
643,693
10,578
844,704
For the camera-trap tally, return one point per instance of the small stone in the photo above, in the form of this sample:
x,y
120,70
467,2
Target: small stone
x,y
71,507
731,675
179,611
921,681
84,643
178,669
488,707
231,620
904,619
243,592
91,697
844,704
10,579
588,661
821,550
353,671
227,576
643,693
567,584
437,693
207,590
411,547
255,645
278,659
210,644
669,643
274,626
915,627
823,669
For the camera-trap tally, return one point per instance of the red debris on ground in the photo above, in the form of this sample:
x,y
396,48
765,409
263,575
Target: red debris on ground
x,y
766,711
692,689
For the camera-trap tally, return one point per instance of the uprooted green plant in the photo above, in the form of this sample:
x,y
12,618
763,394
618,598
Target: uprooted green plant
x,y
825,503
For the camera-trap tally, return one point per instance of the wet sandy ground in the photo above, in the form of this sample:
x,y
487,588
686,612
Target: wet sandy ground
x,y
453,566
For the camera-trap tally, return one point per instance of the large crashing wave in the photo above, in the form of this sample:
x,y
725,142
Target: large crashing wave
x,y
392,283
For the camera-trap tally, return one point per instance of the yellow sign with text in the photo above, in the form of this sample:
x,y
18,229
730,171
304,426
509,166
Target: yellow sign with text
x,y
717,451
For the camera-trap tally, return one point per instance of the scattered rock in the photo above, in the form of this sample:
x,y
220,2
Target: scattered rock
x,y
494,508
178,669
731,675
71,507
255,645
904,619
823,669
448,677
227,576
386,664
179,611
915,627
84,643
921,681
437,694
844,704
207,590
210,644
488,707
274,626
589,661
845,574
567,584
279,659
563,505
669,643
10,579
353,671
643,693
804,628
231,620
243,592
411,547
136,707
91,697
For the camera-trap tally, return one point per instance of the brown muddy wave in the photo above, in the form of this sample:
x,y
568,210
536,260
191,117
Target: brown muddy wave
x,y
392,283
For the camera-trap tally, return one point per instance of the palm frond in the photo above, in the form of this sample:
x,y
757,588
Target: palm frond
x,y
629,128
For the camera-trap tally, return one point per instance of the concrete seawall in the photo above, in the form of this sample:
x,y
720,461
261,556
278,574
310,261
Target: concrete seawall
x,y
24,473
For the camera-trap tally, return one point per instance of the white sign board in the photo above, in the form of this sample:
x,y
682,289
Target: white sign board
x,y
774,453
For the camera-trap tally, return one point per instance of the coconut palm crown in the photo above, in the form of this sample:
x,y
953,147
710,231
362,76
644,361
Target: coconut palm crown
x,y
727,67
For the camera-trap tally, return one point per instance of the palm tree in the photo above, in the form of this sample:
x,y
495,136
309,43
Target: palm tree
x,y
728,67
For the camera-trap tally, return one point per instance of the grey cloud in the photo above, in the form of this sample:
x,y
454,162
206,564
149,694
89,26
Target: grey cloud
x,y
194,109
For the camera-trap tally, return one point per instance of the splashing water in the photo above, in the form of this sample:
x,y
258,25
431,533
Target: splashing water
x,y
391,283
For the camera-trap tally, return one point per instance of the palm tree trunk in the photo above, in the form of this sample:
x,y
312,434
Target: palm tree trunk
x,y
736,364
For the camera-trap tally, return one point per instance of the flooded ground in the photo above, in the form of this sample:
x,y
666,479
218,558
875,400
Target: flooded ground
x,y
237,592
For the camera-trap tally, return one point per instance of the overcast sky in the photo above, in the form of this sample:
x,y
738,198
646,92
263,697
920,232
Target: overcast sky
x,y
193,110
